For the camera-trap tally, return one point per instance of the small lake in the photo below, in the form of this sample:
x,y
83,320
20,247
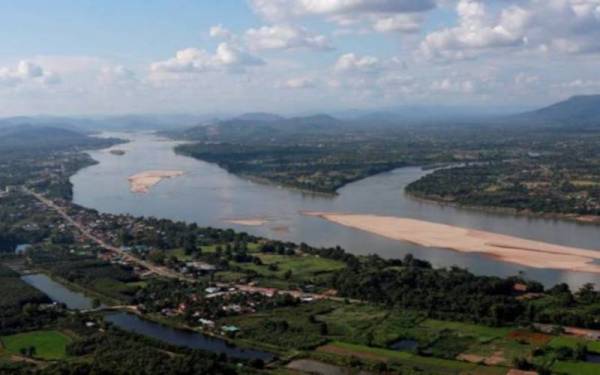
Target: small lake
x,y
192,340
592,358
58,292
405,345
209,196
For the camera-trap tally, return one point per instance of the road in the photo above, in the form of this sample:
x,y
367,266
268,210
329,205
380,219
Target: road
x,y
161,271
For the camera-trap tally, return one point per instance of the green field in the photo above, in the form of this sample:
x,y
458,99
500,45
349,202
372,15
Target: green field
x,y
48,345
303,268
412,361
576,368
571,342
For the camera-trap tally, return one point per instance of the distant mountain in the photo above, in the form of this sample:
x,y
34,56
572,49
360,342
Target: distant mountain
x,y
580,111
259,116
37,138
135,122
260,126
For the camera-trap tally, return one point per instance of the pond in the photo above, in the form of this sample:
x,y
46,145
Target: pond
x,y
58,292
405,345
188,339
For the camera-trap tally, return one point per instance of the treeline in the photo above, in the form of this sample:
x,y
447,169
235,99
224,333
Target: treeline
x,y
88,271
119,352
18,303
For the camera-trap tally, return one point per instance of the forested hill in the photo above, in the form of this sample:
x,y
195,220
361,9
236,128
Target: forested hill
x,y
263,127
28,138
577,112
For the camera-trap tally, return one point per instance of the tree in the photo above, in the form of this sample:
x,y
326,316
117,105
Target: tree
x,y
157,256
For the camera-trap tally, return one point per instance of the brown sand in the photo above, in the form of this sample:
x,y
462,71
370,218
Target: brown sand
x,y
142,182
510,249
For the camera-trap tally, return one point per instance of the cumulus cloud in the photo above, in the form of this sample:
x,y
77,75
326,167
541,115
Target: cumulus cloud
x,y
563,26
406,23
218,31
284,37
351,63
27,72
477,30
194,60
453,86
381,15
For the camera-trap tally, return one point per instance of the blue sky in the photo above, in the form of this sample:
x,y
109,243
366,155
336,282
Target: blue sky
x,y
293,56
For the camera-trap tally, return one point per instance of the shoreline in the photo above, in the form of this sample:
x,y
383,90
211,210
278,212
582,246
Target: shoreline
x,y
579,219
516,250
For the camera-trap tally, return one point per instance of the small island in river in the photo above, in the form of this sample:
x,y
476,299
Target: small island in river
x,y
251,222
117,152
535,254
144,181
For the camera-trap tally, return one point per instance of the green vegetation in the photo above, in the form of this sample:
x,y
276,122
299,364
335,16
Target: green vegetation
x,y
576,368
47,345
111,281
572,342
23,147
296,268
557,175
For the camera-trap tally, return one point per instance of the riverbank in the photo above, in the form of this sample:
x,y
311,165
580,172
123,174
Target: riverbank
x,y
505,248
581,219
144,181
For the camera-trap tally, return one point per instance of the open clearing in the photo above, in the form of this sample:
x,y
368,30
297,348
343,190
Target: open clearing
x,y
48,345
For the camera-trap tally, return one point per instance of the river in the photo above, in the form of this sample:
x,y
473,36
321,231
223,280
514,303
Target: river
x,y
209,196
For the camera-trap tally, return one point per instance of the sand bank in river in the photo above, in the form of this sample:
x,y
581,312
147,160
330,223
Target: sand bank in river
x,y
142,182
505,248
255,222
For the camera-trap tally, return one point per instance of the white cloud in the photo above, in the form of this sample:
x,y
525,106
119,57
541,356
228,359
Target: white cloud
x,y
284,37
194,60
298,83
453,86
116,74
274,9
219,31
549,26
381,15
351,63
477,30
406,23
27,72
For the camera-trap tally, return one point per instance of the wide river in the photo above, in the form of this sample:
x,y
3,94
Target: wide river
x,y
209,196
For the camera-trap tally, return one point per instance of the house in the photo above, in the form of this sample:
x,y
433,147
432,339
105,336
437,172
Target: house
x,y
230,329
206,323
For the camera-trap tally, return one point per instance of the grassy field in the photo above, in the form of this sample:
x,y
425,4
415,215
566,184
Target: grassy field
x,y
576,368
571,342
408,360
48,345
302,268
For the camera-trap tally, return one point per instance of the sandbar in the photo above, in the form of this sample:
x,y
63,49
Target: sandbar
x,y
255,222
142,182
535,254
